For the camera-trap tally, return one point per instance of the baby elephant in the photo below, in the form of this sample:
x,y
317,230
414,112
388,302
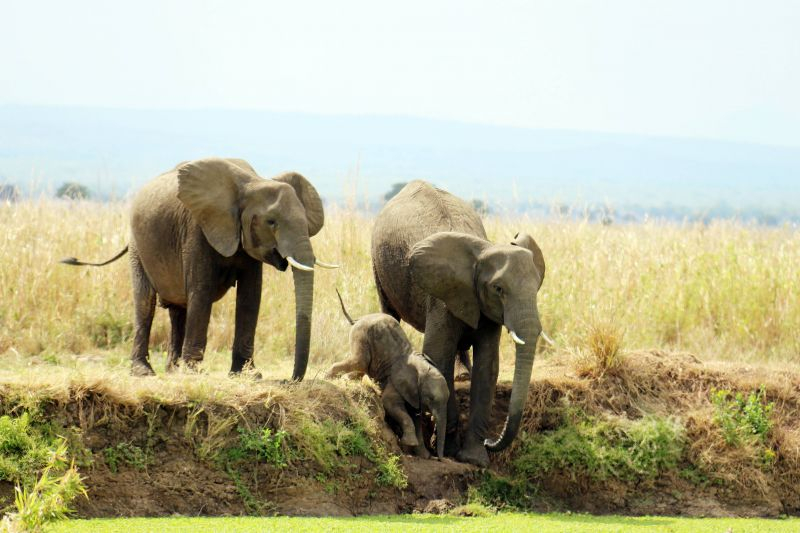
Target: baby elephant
x,y
379,347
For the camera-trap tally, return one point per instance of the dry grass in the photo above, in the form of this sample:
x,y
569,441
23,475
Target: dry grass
x,y
725,291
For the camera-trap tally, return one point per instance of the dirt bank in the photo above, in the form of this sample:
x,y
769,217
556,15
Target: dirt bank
x,y
152,456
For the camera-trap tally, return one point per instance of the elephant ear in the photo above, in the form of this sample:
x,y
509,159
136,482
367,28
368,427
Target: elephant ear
x,y
308,197
443,265
526,241
405,378
209,188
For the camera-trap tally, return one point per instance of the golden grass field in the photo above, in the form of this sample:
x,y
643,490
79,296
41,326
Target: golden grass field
x,y
722,291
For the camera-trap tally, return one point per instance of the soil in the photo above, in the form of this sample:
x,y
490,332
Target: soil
x,y
176,481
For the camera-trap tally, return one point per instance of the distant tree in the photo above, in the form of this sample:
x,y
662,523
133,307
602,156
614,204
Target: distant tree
x,y
9,193
396,188
481,207
73,191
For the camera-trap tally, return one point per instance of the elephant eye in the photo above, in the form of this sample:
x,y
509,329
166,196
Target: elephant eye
x,y
271,223
498,289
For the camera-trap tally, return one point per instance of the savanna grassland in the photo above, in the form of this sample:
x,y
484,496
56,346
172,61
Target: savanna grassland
x,y
672,386
720,291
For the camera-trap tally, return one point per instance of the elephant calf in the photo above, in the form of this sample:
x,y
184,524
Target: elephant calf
x,y
380,348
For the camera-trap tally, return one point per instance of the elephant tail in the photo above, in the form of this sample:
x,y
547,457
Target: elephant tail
x,y
346,315
73,261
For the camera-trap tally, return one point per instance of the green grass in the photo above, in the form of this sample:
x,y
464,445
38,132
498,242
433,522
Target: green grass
x,y
555,523
604,448
743,418
25,449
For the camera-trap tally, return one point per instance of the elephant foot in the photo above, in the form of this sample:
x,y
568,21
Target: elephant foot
x,y
409,440
422,452
142,369
474,453
172,367
192,365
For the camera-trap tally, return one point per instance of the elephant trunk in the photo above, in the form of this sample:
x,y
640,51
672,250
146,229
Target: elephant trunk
x,y
530,330
440,419
304,300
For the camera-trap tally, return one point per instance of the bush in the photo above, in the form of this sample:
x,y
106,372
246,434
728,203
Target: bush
x,y
742,418
24,449
49,498
602,449
126,453
266,444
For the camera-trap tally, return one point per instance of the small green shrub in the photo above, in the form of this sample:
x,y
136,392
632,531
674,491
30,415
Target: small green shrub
x,y
25,449
50,496
126,453
602,449
390,472
502,492
329,442
266,444
742,418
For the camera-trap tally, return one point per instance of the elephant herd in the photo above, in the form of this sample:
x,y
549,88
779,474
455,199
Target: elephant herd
x,y
210,224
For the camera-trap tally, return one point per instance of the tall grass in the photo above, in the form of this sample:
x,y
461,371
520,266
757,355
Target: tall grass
x,y
722,291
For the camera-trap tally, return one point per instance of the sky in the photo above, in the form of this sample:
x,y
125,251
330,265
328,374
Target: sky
x,y
720,69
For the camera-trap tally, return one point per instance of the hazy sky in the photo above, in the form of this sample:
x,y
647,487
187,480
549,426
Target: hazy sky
x,y
723,69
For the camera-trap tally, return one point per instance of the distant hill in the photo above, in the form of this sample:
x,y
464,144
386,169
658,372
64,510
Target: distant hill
x,y
113,151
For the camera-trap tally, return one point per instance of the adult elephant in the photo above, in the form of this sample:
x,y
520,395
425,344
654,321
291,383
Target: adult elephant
x,y
202,228
435,269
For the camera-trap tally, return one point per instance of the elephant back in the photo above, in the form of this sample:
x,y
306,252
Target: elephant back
x,y
418,211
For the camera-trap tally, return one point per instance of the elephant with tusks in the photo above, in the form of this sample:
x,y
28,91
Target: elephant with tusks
x,y
435,268
200,229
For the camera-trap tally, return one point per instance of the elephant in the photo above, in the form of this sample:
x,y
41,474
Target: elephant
x,y
203,227
435,269
380,348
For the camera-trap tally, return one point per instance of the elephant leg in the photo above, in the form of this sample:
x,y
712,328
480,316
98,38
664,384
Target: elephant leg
x,y
442,333
144,299
360,355
198,313
248,302
395,406
420,450
350,366
485,367
177,319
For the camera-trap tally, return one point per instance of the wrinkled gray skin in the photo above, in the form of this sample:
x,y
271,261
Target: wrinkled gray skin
x,y
380,348
435,269
202,228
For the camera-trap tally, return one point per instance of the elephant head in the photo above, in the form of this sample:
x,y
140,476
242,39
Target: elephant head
x,y
433,393
423,387
472,277
272,219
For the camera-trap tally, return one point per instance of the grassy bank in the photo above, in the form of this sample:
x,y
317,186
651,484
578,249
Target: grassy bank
x,y
723,291
631,433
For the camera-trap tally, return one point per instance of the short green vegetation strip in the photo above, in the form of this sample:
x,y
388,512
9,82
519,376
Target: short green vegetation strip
x,y
549,523
43,472
602,449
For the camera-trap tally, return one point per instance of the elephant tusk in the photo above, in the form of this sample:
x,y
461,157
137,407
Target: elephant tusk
x,y
547,339
515,337
326,265
300,266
